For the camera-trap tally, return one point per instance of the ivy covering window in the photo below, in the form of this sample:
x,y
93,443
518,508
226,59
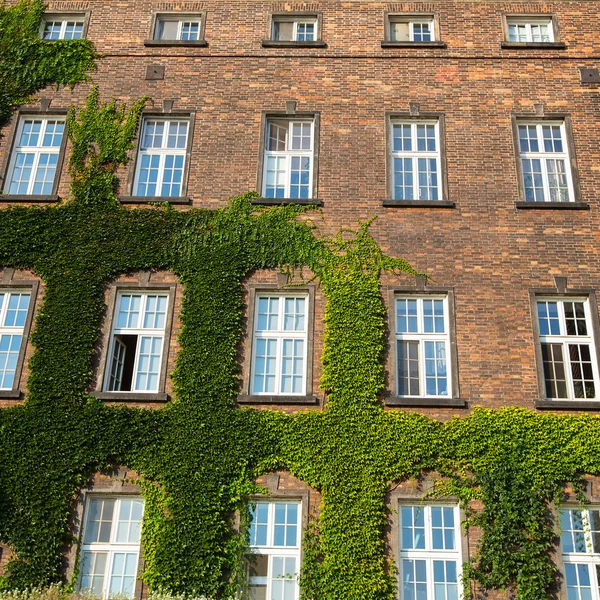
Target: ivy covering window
x,y
567,348
174,27
530,30
34,158
14,307
161,159
137,343
110,549
274,561
422,346
288,29
288,161
545,162
63,28
279,345
430,558
416,160
580,544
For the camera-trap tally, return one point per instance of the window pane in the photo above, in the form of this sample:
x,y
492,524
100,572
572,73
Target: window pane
x,y
533,180
548,320
258,524
93,571
414,580
408,368
403,179
399,32
554,371
581,371
166,30
283,31
572,535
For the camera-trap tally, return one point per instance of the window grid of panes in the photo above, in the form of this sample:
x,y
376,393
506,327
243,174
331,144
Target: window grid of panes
x,y
422,346
63,29
408,30
567,348
416,160
274,561
161,159
530,31
545,162
14,307
111,546
580,544
430,559
35,156
288,165
137,342
186,30
280,345
285,30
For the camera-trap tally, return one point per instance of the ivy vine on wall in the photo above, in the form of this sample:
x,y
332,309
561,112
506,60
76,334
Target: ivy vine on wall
x,y
200,454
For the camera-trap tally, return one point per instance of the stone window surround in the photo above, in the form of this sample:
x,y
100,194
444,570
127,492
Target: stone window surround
x,y
7,283
246,397
269,42
390,397
434,16
557,43
42,113
180,16
141,286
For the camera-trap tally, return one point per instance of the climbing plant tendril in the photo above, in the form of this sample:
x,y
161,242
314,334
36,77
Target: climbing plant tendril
x,y
199,455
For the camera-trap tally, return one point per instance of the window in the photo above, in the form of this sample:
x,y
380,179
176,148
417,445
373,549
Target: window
x,y
430,558
162,157
185,28
567,345
63,28
580,542
411,28
544,158
527,30
294,29
137,344
422,346
275,550
289,157
110,549
35,156
416,160
14,310
279,353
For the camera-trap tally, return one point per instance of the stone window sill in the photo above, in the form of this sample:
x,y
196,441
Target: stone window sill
x,y
418,203
259,399
178,43
553,205
282,201
567,405
292,44
29,198
149,199
441,402
392,44
131,396
533,45
15,394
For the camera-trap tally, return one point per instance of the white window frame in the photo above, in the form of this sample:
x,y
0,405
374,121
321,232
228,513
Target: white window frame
x,y
63,20
428,554
280,335
414,155
273,551
37,151
564,340
162,152
543,156
412,20
421,337
296,21
139,332
288,154
528,22
181,20
13,330
112,547
589,558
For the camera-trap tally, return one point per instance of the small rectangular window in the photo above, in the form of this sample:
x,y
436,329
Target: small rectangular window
x,y
274,559
294,29
545,162
14,310
161,158
137,344
186,28
569,361
289,157
530,30
35,156
411,28
63,28
110,549
430,558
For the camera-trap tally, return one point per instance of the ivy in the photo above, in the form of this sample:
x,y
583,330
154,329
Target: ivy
x,y
199,455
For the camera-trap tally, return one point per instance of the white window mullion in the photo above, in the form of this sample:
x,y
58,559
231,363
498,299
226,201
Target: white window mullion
x,y
34,169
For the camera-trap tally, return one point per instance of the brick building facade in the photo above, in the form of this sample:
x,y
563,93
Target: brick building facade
x,y
494,244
